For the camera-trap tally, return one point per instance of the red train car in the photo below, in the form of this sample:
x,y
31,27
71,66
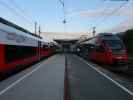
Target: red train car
x,y
19,47
106,48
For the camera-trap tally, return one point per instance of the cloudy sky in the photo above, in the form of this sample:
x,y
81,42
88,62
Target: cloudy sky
x,y
81,15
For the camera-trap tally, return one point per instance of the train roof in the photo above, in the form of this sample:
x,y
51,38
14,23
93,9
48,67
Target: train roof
x,y
17,27
104,34
108,36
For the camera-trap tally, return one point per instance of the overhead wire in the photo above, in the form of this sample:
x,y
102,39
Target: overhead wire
x,y
62,2
19,8
104,10
111,14
14,11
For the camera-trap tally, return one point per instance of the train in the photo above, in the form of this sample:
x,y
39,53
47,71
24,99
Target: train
x,y
104,48
19,47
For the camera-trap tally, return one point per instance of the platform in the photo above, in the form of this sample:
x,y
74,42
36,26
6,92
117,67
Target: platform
x,y
45,81
88,83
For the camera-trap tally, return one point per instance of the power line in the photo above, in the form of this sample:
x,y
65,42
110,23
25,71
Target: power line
x,y
20,9
62,2
24,13
110,14
92,28
11,9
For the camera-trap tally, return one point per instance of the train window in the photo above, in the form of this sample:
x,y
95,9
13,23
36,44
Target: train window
x,y
110,37
45,47
114,44
13,52
93,41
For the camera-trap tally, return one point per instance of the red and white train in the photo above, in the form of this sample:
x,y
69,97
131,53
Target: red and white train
x,y
18,47
105,48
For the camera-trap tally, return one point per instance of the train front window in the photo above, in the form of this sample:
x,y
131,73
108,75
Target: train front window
x,y
114,44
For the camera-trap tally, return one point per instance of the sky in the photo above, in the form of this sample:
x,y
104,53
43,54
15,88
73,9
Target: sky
x,y
81,15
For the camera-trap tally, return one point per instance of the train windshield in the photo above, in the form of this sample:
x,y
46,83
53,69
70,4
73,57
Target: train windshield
x,y
114,44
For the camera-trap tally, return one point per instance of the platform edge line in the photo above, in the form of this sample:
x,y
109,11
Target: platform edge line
x,y
104,75
19,80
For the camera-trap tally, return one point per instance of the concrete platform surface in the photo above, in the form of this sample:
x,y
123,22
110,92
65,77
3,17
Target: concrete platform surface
x,y
88,83
43,81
